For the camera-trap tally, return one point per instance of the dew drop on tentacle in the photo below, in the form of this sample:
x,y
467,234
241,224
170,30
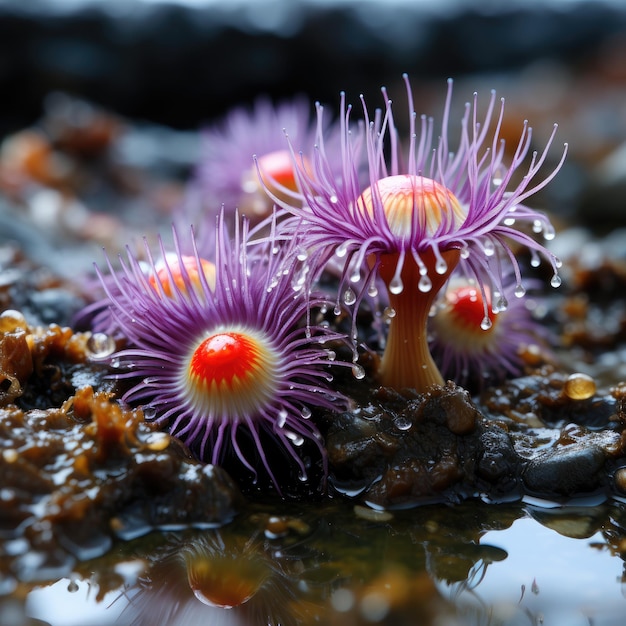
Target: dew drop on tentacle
x,y
342,250
486,323
537,226
555,281
489,248
535,261
389,312
372,290
358,372
519,292
396,285
425,284
282,418
548,232
349,297
305,412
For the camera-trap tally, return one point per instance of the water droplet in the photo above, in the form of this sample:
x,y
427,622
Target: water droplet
x,y
149,413
425,284
355,277
305,412
72,586
535,261
548,232
556,281
537,226
296,439
275,249
396,286
337,310
341,250
282,418
349,297
558,263
503,304
158,441
389,312
331,355
465,252
334,199
441,267
372,290
519,292
100,346
358,372
401,422
489,248
509,221
302,255
486,323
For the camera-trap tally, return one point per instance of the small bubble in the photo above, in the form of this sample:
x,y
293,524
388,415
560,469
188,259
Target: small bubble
x,y
100,346
149,413
305,412
331,355
396,286
486,323
555,281
519,292
358,372
349,297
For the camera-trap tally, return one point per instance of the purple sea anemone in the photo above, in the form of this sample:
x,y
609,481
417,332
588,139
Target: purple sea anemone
x,y
417,215
225,174
222,354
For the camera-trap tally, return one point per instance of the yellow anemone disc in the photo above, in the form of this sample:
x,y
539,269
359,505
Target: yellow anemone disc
x,y
403,196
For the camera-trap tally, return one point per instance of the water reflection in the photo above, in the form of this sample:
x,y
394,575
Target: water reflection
x,y
218,578
467,565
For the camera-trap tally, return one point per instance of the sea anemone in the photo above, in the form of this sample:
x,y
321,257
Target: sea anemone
x,y
471,355
225,174
417,214
222,354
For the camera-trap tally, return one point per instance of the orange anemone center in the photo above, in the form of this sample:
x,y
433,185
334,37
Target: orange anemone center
x,y
182,278
413,204
232,373
277,176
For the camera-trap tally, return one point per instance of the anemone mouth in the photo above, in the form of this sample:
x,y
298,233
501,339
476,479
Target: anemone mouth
x,y
179,273
231,373
413,205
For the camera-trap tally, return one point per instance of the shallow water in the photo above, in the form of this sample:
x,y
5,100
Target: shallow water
x,y
473,563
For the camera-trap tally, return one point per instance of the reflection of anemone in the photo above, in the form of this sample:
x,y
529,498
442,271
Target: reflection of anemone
x,y
413,222
471,355
217,579
221,352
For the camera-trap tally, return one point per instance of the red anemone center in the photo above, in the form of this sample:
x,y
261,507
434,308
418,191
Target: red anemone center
x,y
225,356
467,306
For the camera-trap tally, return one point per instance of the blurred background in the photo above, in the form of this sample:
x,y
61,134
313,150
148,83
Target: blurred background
x,y
182,65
